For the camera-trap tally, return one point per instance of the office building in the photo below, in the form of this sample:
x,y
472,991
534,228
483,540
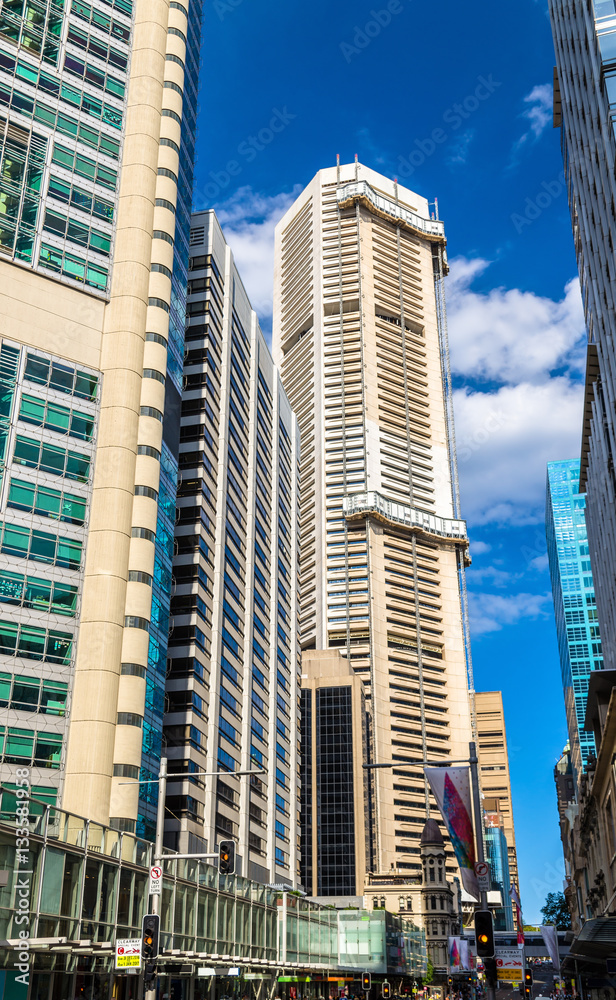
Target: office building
x,y
577,628
497,854
584,106
97,126
493,755
359,335
233,687
335,804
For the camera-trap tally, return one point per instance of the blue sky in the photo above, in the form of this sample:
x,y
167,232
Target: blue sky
x,y
476,77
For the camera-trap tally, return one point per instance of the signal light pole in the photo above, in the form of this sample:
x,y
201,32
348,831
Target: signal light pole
x,y
227,847
472,760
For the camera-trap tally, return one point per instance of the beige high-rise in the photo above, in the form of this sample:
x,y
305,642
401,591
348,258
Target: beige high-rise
x,y
360,340
494,767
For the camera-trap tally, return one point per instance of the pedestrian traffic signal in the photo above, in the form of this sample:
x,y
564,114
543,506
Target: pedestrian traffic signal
x,y
366,981
226,857
149,936
386,991
484,934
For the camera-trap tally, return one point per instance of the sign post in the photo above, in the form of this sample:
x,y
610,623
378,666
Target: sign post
x,y
509,965
156,880
482,871
127,954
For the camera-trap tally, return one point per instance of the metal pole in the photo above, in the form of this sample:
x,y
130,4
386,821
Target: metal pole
x,y
474,761
158,846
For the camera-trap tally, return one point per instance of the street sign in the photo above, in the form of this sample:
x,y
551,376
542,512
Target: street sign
x,y
509,965
156,880
128,953
482,871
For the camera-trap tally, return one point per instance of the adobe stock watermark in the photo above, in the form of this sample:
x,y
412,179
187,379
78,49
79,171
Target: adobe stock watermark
x,y
473,442
455,116
362,37
249,148
224,7
544,198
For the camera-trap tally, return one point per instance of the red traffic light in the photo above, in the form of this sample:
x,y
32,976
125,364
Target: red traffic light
x,y
366,981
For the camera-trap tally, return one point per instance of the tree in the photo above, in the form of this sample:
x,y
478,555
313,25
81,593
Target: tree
x,y
429,976
556,911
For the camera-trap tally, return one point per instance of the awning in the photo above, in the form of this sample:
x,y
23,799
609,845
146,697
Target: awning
x,y
595,942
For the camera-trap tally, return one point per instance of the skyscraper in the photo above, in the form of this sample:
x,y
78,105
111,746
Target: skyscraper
x,y
584,105
97,124
361,341
577,628
233,686
493,756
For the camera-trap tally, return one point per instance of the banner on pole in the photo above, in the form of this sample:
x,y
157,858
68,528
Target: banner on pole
x,y
550,938
452,790
459,954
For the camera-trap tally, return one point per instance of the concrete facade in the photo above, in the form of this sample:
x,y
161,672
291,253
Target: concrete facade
x,y
494,768
360,339
233,687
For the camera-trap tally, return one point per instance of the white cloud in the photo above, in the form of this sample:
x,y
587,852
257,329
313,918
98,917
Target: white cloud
x,y
538,113
504,440
490,612
491,574
506,335
248,220
479,548
460,148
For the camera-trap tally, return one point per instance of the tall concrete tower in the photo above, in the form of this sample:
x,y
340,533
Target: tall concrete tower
x,y
360,339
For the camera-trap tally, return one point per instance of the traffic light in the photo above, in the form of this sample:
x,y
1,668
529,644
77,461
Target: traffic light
x,y
450,981
226,857
386,992
484,934
149,937
489,967
366,981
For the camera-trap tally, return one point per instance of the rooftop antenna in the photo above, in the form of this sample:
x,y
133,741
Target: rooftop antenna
x,y
338,167
396,189
436,206
356,167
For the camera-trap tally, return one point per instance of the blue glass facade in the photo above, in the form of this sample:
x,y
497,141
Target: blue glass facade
x,y
498,856
575,609
163,558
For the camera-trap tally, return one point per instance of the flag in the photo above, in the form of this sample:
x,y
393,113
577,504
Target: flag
x,y
550,938
460,955
515,896
452,791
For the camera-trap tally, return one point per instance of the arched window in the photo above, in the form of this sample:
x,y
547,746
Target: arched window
x,y
409,902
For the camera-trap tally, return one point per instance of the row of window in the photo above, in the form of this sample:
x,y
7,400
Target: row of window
x,y
77,232
83,166
38,594
62,123
47,502
40,546
51,459
22,746
73,267
35,643
100,20
83,200
45,83
31,694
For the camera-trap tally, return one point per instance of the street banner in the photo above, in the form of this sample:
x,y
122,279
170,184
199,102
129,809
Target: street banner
x,y
452,790
518,913
550,938
459,954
